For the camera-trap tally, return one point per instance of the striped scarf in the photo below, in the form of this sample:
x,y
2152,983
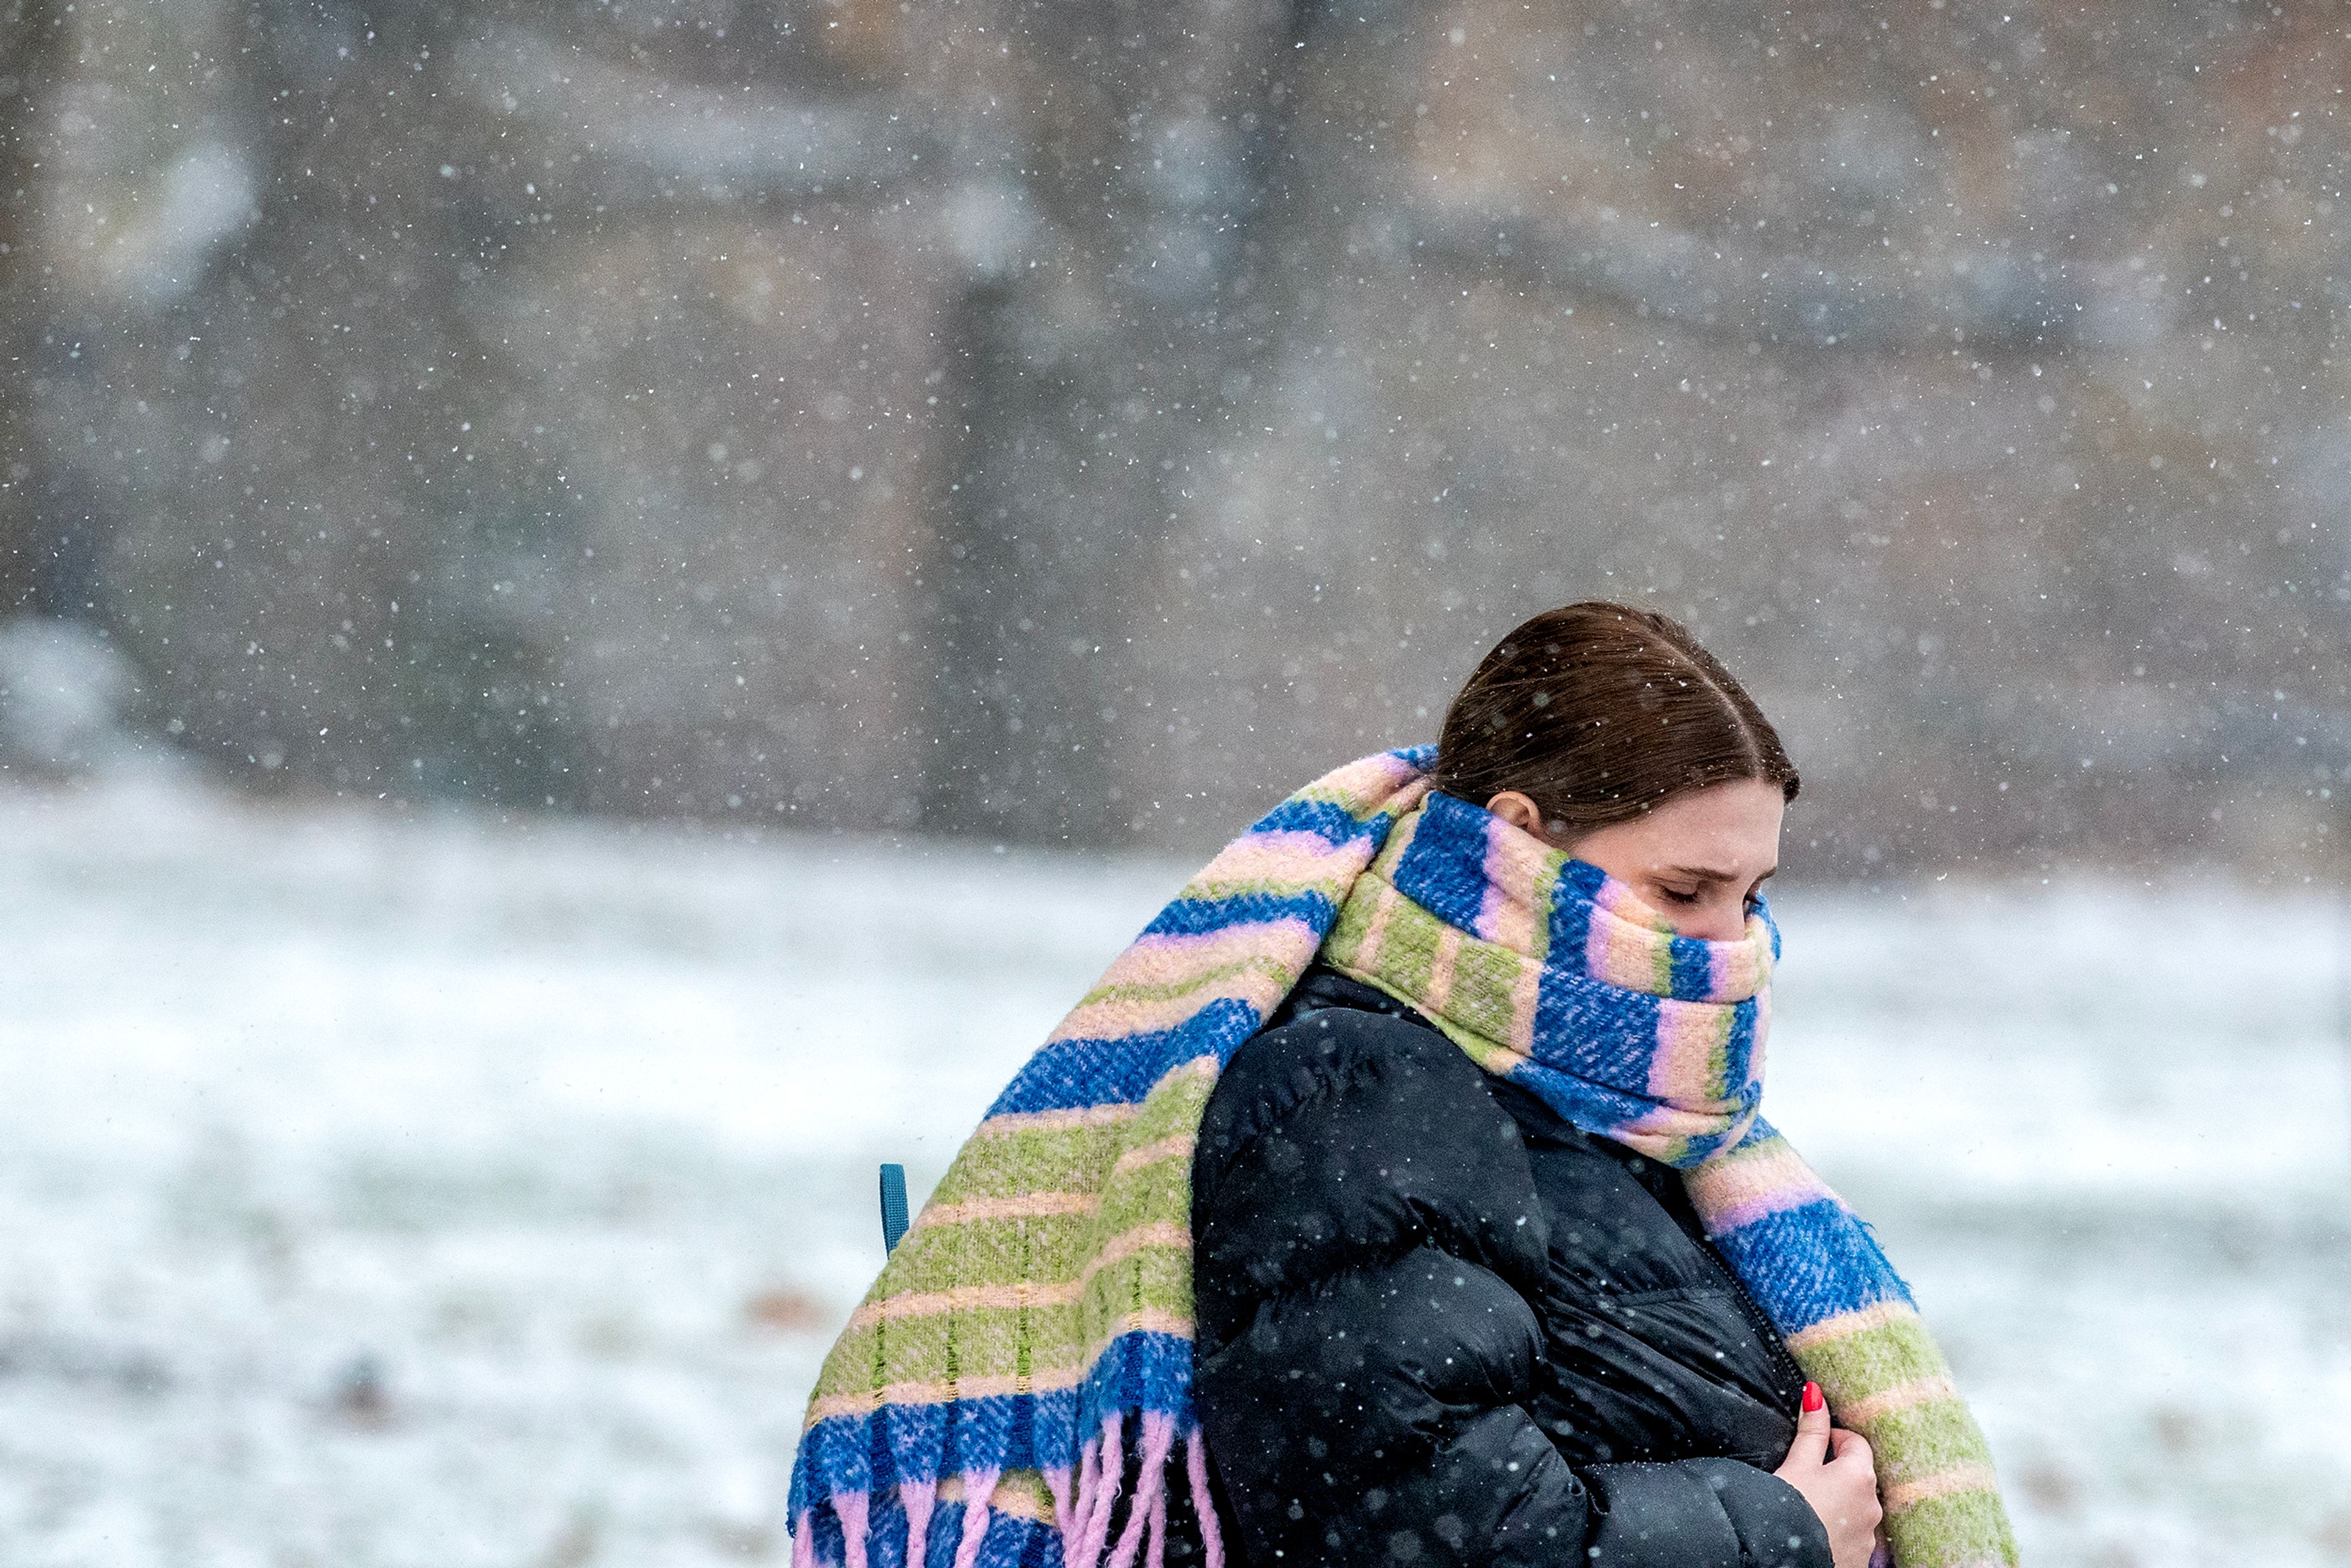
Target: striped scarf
x,y
1034,1328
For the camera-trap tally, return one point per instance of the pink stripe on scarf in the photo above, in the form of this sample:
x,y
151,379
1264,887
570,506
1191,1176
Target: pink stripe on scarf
x,y
1441,964
1748,1186
1744,967
1392,853
1371,780
1687,1070
1124,1016
1168,961
1175,954
1526,992
1288,856
1621,951
1663,1132
1516,862
1376,931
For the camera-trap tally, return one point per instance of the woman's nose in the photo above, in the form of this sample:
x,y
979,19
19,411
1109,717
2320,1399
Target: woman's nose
x,y
1717,925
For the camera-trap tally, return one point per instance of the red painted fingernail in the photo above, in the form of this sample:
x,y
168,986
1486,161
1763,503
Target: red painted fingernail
x,y
1812,1400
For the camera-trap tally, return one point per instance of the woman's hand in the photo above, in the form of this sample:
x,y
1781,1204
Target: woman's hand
x,y
1832,1467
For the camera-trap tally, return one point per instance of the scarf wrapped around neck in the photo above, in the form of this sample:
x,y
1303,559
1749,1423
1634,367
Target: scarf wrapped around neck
x,y
1029,1341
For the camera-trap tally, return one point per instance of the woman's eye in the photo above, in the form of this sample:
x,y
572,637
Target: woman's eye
x,y
1674,895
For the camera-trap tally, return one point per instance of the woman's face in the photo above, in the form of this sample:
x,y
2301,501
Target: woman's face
x,y
1698,859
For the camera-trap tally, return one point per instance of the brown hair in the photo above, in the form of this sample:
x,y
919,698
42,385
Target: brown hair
x,y
1598,712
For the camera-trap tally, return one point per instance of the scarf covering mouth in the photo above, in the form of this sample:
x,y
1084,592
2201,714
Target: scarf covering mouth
x,y
1030,1340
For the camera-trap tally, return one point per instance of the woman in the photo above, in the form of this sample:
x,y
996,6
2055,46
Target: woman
x,y
1408,1168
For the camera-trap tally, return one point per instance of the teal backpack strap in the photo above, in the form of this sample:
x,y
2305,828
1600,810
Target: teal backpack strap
x,y
893,1205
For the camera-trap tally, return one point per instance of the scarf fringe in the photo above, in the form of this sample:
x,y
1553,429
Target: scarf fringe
x,y
1204,1507
1057,1485
919,1498
1110,1474
977,1489
1081,1521
851,1509
1148,1511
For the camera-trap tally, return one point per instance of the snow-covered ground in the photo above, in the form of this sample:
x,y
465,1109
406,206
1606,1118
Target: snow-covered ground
x,y
452,1192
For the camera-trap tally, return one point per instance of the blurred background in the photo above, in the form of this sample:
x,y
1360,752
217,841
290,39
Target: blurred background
x,y
607,609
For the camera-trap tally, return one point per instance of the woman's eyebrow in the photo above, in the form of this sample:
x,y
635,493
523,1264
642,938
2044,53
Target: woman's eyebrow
x,y
1708,874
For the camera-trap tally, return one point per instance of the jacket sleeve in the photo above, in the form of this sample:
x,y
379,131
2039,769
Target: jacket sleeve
x,y
1368,1249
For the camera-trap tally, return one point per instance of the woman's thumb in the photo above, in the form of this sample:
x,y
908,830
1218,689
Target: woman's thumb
x,y
1812,1428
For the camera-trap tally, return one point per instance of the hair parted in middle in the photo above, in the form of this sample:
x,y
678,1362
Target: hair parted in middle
x,y
1598,712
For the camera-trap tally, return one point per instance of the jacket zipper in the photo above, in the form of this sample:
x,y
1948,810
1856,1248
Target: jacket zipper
x,y
1758,1319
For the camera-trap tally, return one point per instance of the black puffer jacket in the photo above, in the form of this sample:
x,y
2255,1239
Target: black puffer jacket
x,y
1440,1326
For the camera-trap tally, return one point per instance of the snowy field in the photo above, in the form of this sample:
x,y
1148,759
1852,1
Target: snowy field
x,y
442,1193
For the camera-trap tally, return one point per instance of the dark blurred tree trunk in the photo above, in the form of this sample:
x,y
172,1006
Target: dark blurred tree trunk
x,y
30,41
1088,381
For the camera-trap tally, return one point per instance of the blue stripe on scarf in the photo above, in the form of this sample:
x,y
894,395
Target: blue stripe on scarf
x,y
1443,870
986,1428
847,1453
1335,823
1693,968
1571,912
917,1437
1070,1074
1585,1104
1198,916
1044,1431
1138,1370
1810,1263
837,1456
1739,1051
1594,1030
